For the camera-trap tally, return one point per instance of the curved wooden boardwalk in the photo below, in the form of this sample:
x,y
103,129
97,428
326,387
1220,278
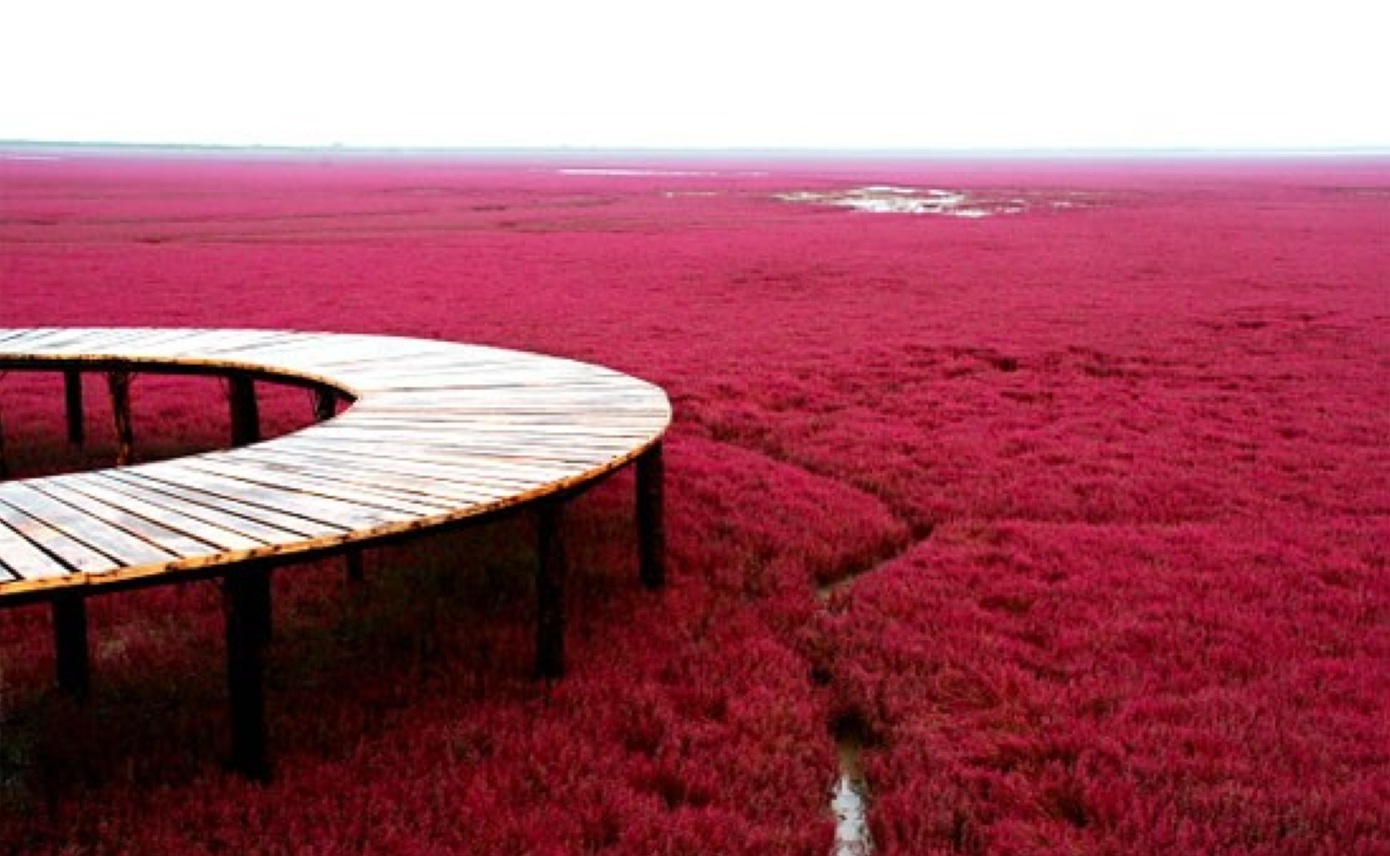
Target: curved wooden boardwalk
x,y
437,434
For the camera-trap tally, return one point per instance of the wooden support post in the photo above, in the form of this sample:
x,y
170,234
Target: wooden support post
x,y
118,382
325,404
258,587
550,591
70,643
246,414
246,603
77,420
651,531
354,566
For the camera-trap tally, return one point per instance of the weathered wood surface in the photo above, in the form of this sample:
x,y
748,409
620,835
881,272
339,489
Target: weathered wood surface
x,y
436,433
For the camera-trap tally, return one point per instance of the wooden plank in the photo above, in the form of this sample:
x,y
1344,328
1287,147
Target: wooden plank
x,y
144,338
280,349
151,532
556,397
193,341
430,481
463,466
75,555
24,560
316,484
299,356
252,524
561,450
620,410
214,343
611,414
384,477
422,479
106,342
120,545
167,515
316,509
113,340
630,423
77,346
157,343
443,426
494,383
192,346
468,435
40,338
448,465
212,501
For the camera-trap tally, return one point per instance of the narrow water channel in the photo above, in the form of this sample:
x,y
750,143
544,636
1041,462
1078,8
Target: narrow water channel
x,y
849,798
850,802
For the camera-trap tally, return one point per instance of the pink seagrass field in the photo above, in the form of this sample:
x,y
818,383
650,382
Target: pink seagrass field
x,y
1073,511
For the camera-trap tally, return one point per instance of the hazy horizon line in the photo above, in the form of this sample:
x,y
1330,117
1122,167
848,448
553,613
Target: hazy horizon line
x,y
120,146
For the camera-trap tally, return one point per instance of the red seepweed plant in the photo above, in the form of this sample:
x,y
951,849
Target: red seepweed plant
x,y
1068,499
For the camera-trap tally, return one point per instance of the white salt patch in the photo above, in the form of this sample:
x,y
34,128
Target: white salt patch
x,y
889,199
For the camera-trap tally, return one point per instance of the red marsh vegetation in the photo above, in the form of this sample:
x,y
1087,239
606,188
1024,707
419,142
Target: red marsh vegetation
x,y
1062,489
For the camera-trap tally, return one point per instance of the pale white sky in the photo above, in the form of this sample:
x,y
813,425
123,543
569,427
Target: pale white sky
x,y
700,73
